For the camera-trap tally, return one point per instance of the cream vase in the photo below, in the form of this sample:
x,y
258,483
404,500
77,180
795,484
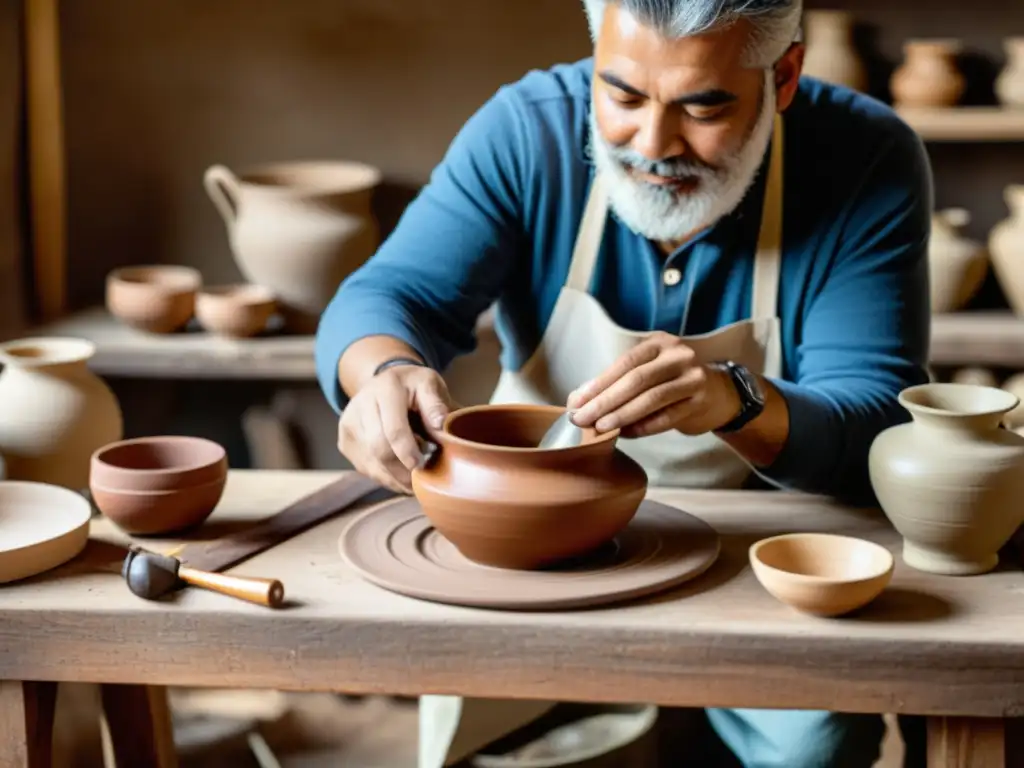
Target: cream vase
x,y
54,412
951,481
957,265
1009,85
929,75
298,229
1006,249
830,54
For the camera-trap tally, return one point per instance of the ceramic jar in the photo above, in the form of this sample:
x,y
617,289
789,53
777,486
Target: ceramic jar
x,y
54,412
957,265
1006,248
830,54
504,502
951,480
928,76
1009,85
298,229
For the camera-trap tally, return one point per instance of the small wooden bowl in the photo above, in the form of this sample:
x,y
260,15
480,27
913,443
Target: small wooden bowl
x,y
156,299
235,310
158,485
820,573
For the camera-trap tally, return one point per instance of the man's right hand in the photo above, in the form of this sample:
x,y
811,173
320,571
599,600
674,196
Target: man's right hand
x,y
375,433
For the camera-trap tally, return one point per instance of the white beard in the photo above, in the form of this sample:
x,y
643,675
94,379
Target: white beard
x,y
664,215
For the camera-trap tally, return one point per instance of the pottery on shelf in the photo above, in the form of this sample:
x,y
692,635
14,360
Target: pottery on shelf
x,y
501,501
1006,249
298,229
958,265
929,75
971,375
1015,386
830,54
54,412
1009,85
951,480
156,299
236,311
820,573
158,485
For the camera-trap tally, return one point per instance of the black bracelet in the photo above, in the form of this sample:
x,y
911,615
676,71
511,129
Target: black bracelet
x,y
397,361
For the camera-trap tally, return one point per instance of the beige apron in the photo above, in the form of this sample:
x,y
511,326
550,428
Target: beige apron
x,y
580,342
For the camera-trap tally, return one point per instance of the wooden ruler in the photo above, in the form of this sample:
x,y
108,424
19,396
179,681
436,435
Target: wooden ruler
x,y
331,500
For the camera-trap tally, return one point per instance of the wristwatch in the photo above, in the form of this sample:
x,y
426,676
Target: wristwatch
x,y
750,392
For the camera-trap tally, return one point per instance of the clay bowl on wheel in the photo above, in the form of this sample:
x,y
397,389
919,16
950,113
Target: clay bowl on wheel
x,y
158,485
820,573
156,299
235,310
504,502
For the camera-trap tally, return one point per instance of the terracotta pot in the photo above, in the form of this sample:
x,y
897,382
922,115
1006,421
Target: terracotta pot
x,y
958,265
54,412
1006,248
830,54
158,485
298,229
928,76
1009,85
156,299
951,481
503,502
235,311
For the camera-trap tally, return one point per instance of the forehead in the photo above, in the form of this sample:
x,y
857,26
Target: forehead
x,y
632,49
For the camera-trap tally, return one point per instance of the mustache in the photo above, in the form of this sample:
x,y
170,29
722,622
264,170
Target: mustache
x,y
669,168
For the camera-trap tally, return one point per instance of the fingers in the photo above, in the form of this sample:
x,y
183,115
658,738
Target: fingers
x,y
667,418
651,401
643,353
646,382
376,453
432,401
393,415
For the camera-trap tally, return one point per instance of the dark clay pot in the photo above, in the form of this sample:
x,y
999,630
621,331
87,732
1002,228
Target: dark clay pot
x,y
503,502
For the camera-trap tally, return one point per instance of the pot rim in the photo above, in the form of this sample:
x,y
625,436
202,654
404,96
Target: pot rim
x,y
555,410
57,350
806,578
361,176
1001,401
99,454
186,279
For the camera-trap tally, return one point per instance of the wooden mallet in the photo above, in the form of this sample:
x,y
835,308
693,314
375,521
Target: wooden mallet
x,y
151,576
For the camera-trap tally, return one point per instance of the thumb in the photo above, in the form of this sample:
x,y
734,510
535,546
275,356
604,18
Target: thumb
x,y
432,401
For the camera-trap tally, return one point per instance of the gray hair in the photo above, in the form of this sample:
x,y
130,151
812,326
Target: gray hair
x,y
776,22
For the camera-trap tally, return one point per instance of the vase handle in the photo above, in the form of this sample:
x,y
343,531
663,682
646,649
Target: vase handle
x,y
223,188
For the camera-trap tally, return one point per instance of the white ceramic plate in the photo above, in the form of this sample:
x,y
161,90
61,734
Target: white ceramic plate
x,y
41,526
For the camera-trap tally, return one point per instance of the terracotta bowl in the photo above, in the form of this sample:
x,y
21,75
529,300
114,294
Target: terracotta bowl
x,y
235,310
820,573
505,503
158,485
157,299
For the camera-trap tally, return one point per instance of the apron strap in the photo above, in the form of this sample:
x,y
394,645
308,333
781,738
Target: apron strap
x,y
588,238
768,260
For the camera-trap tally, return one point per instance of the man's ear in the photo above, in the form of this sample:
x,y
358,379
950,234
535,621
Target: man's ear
x,y
787,75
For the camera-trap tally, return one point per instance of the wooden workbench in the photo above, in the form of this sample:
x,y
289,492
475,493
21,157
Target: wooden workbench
x,y
952,648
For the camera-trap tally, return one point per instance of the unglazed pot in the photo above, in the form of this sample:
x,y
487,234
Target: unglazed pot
x,y
54,412
1006,246
952,480
503,502
1009,85
298,229
235,311
928,76
957,265
830,54
156,299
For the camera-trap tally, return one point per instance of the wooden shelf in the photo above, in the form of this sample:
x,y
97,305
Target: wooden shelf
x,y
966,123
978,338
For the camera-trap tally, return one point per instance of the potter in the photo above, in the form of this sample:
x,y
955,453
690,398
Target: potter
x,y
690,243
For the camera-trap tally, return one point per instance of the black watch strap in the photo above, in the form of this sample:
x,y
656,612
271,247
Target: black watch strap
x,y
392,362
750,393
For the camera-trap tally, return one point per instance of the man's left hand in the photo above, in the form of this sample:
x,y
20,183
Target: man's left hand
x,y
655,387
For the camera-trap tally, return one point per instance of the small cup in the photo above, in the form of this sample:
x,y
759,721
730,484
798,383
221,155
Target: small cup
x,y
235,310
820,573
155,299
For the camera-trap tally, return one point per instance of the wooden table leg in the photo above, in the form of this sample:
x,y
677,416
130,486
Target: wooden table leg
x,y
966,742
137,727
26,724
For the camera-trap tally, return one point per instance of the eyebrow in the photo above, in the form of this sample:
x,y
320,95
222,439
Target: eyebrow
x,y
712,97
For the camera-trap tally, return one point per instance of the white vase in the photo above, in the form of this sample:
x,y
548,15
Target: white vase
x,y
1009,86
1006,249
54,412
957,266
830,54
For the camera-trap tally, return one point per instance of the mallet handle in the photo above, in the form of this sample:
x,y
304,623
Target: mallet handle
x,y
268,592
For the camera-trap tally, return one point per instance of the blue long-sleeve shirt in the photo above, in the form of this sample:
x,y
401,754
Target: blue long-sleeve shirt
x,y
498,219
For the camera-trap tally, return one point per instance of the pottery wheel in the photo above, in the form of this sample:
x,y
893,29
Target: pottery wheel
x,y
396,547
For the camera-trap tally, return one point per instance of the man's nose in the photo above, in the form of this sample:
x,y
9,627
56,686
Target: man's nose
x,y
658,137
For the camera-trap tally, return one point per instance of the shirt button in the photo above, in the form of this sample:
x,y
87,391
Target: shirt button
x,y
672,276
